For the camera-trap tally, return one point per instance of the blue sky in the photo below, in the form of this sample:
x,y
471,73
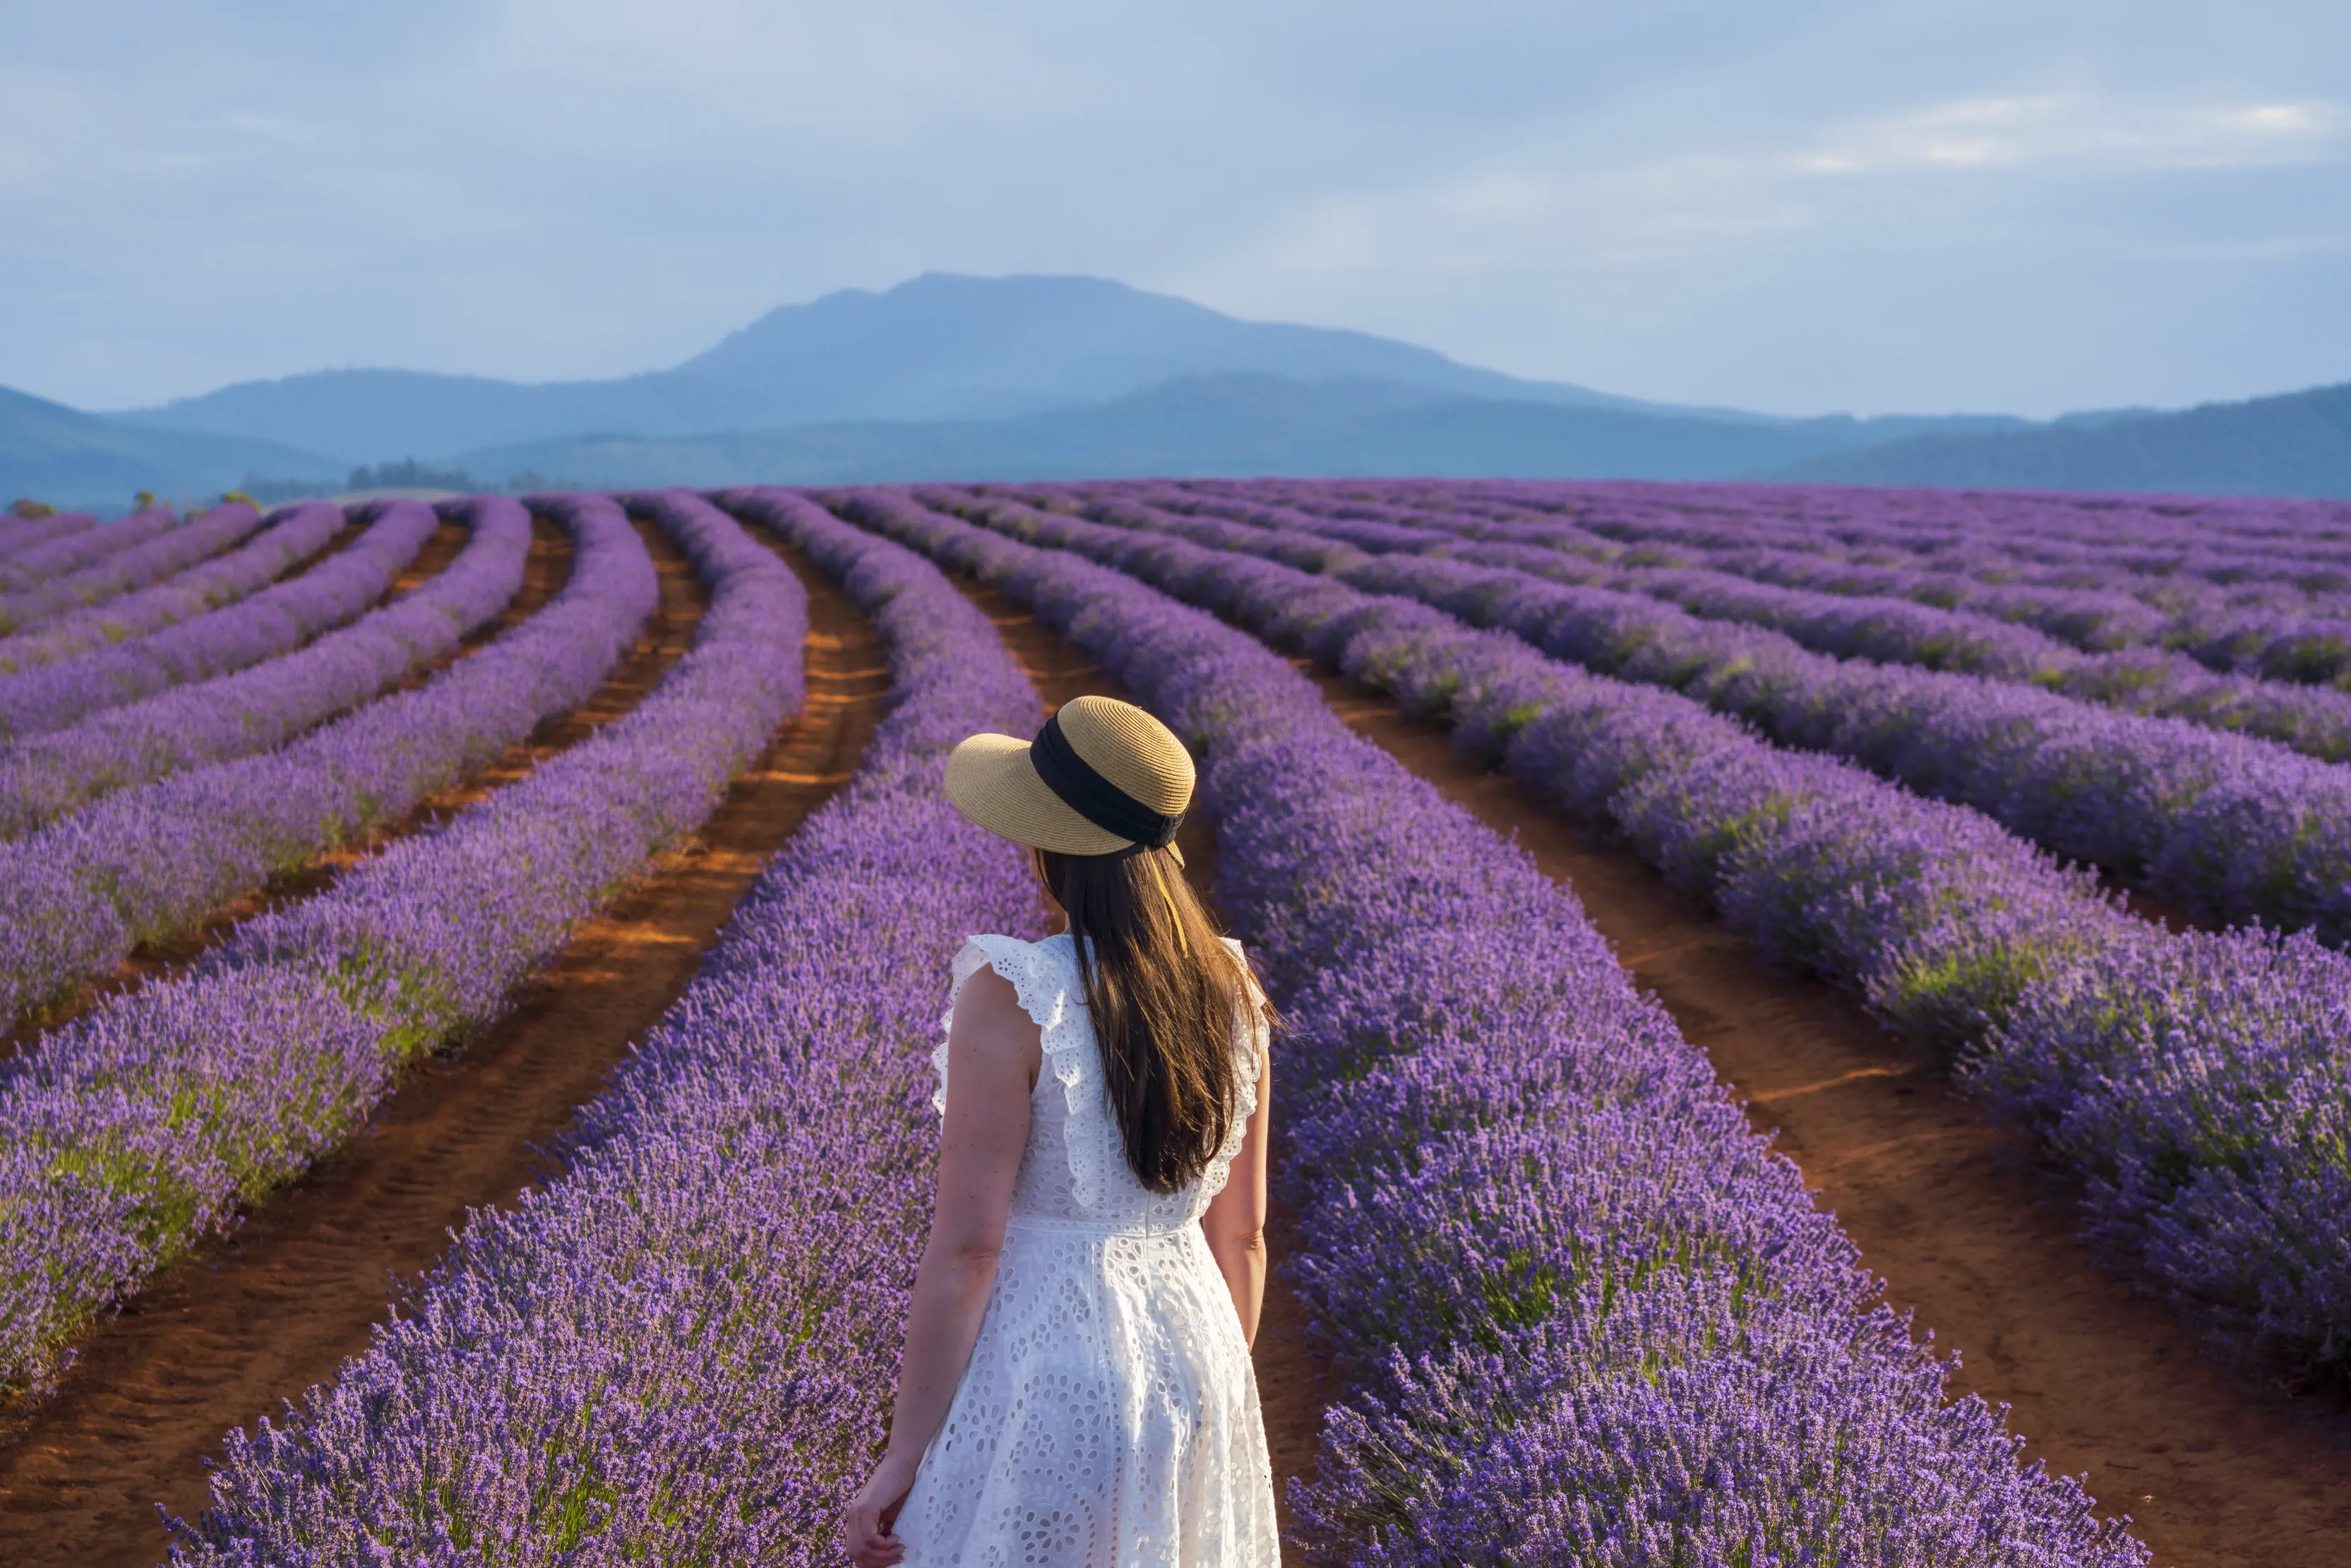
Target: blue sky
x,y
1799,206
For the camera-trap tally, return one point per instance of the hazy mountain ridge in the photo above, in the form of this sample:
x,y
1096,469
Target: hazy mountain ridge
x,y
937,347
1232,425
2297,443
60,454
946,376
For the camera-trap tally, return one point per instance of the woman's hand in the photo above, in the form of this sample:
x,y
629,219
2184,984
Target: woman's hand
x,y
865,1534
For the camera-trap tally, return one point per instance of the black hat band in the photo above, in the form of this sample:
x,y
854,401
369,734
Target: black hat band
x,y
1096,799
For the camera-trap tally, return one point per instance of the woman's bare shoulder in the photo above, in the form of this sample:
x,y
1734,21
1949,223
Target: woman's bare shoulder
x,y
989,998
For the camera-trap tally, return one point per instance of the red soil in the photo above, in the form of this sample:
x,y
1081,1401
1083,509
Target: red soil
x,y
277,1306
1971,1232
546,569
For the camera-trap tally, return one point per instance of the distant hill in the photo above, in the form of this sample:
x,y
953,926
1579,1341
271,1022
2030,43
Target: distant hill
x,y
940,347
2295,444
937,347
947,377
949,347
368,416
1232,425
67,457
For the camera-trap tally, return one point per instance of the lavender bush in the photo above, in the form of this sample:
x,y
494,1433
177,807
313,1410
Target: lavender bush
x,y
680,1351
2102,572
1587,1315
76,550
1830,612
1929,912
128,1134
237,636
269,703
289,536
2232,828
19,533
145,863
167,554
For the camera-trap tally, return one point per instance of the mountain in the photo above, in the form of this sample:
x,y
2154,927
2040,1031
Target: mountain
x,y
70,458
938,347
1230,424
2298,444
368,416
947,376
949,347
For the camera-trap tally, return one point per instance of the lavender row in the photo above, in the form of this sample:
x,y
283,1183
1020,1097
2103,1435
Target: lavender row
x,y
166,555
288,538
2257,614
1585,1313
271,701
146,863
2142,680
681,1350
129,1132
2196,1081
2236,829
20,532
2003,530
2261,616
2265,645
2217,540
238,636
80,549
2267,633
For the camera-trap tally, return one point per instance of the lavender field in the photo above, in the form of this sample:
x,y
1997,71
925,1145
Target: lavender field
x,y
329,1237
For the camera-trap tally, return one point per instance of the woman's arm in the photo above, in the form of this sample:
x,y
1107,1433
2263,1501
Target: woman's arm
x,y
1235,1221
993,1055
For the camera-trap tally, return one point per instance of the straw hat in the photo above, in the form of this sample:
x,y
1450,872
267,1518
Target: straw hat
x,y
1102,777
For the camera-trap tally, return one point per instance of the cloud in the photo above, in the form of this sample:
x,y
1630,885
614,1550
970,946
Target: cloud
x,y
1821,203
2078,130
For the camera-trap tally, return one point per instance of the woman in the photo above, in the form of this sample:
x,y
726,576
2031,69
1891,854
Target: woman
x,y
1076,1389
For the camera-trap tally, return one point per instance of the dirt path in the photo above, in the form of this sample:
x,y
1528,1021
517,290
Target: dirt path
x,y
1293,1381
275,1308
546,569
1966,1227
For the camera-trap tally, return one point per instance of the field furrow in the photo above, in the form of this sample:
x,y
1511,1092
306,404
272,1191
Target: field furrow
x,y
20,532
2259,656
166,556
128,1134
146,865
1971,1233
270,700
277,620
2192,1080
77,550
290,539
469,979
2232,829
274,1307
1546,1246
676,1351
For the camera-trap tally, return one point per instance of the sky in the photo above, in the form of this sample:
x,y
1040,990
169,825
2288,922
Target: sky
x,y
1803,207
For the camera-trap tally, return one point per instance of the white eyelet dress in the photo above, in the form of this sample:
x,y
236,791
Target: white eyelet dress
x,y
1108,1416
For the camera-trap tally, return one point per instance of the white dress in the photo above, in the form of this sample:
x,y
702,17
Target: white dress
x,y
1108,1416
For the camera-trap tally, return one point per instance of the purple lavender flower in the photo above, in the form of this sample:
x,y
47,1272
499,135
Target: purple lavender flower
x,y
276,619
130,1132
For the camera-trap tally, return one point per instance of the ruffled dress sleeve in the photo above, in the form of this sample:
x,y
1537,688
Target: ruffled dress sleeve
x,y
1022,963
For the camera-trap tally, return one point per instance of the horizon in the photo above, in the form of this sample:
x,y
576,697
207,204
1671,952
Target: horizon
x,y
1955,208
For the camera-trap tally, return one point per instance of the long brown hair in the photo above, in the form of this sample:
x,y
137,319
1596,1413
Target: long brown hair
x,y
1165,992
